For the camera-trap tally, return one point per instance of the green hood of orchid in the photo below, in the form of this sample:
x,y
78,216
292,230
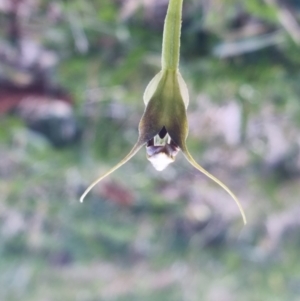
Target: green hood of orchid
x,y
165,107
163,127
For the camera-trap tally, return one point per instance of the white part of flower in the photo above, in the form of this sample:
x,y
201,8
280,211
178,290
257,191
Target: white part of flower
x,y
183,89
151,88
160,161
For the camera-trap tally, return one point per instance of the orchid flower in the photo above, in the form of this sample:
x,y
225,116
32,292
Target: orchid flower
x,y
163,128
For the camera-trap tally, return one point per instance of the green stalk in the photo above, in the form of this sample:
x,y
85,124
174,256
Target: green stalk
x,y
171,36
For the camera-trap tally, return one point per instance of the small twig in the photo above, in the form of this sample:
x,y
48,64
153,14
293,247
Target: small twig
x,y
79,35
287,20
239,47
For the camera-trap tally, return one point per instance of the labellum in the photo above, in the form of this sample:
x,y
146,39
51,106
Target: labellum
x,y
163,128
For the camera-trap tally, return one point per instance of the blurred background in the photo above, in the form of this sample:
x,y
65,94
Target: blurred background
x,y
72,76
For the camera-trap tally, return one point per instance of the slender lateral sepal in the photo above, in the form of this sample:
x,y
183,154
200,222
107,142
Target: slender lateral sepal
x,y
134,150
171,36
192,161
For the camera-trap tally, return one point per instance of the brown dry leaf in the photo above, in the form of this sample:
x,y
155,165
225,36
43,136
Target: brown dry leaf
x,y
118,194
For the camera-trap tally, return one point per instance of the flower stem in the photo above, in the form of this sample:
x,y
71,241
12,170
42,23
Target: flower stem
x,y
171,36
